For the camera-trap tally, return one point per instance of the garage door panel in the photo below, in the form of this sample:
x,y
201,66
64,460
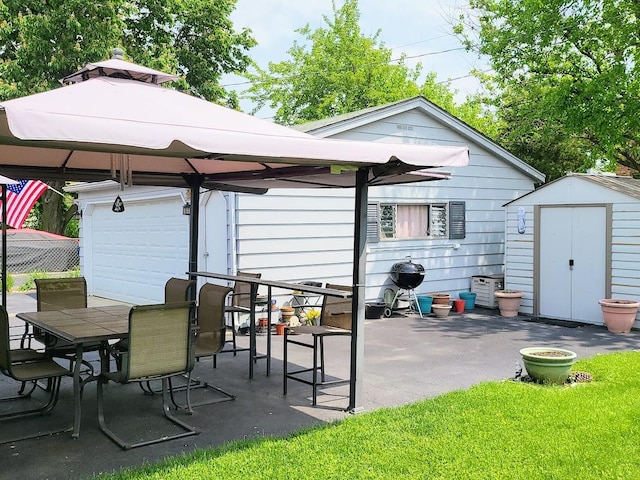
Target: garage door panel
x,y
136,251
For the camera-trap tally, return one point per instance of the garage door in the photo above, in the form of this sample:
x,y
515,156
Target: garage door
x,y
133,253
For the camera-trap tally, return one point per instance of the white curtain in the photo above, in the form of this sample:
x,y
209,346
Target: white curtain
x,y
411,221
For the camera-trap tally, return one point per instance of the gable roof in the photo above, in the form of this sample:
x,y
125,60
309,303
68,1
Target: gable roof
x,y
341,123
625,185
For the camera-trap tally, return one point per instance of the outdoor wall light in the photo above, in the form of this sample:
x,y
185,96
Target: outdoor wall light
x,y
186,208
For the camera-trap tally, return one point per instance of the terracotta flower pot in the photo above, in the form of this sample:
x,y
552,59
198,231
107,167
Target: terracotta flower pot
x,y
509,302
619,315
440,298
280,328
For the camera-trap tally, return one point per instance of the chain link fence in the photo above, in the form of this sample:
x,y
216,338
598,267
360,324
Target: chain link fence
x,y
39,254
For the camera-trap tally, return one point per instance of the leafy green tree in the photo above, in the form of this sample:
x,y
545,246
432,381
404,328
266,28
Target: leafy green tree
x,y
41,42
576,64
541,142
339,70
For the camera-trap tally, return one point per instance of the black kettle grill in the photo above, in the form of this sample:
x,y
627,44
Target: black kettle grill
x,y
405,275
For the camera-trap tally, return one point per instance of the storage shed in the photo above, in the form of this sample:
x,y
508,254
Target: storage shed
x,y
573,242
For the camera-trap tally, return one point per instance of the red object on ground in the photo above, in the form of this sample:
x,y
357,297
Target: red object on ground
x,y
458,305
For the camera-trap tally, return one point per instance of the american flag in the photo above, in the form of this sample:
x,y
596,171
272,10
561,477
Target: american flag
x,y
21,197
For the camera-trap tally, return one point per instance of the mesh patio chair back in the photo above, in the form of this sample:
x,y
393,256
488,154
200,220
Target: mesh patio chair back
x,y
175,290
60,293
242,291
211,322
179,290
159,341
336,311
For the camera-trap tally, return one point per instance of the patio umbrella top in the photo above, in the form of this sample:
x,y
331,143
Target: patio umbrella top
x,y
116,122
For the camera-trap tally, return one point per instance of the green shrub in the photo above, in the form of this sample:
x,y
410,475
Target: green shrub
x,y
29,284
10,282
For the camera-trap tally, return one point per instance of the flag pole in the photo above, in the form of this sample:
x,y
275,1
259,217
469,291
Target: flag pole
x,y
54,190
4,245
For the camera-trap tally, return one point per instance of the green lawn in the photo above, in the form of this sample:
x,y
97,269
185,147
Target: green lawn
x,y
495,430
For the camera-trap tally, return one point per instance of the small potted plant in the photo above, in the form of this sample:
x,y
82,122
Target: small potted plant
x,y
547,364
313,316
509,302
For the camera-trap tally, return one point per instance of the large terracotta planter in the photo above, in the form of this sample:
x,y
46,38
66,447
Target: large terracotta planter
x,y
508,302
619,315
548,365
440,298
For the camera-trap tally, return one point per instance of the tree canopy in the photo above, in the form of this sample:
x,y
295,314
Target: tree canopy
x,y
41,42
574,63
338,70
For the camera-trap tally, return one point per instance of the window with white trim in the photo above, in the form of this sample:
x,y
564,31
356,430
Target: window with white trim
x,y
386,221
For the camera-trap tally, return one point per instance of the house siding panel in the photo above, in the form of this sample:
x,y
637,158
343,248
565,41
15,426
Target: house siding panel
x,y
315,228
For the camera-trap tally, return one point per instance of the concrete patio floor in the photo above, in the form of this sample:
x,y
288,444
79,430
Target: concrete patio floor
x,y
407,358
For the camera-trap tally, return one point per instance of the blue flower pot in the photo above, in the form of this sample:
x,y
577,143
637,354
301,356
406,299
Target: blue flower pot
x,y
425,301
469,300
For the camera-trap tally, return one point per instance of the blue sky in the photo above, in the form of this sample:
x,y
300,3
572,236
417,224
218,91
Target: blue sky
x,y
420,28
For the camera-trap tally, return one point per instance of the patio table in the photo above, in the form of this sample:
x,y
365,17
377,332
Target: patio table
x,y
81,326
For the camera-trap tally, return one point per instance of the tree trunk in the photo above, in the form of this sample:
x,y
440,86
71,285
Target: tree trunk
x,y
53,210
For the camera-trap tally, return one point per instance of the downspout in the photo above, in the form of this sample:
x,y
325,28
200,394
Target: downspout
x,y
232,237
356,379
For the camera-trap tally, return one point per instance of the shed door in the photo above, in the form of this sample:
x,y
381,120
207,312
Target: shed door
x,y
572,263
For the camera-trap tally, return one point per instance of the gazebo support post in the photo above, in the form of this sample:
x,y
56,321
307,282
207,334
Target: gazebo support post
x,y
356,380
195,183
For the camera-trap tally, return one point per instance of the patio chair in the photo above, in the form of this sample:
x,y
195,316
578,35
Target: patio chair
x,y
240,303
72,295
61,294
25,366
335,320
179,290
175,290
210,337
160,347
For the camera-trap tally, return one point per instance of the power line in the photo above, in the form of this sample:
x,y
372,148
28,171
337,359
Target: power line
x,y
390,61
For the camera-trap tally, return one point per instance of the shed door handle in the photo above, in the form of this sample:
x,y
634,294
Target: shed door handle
x,y
571,263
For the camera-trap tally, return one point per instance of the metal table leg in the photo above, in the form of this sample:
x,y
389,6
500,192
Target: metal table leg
x,y
77,392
